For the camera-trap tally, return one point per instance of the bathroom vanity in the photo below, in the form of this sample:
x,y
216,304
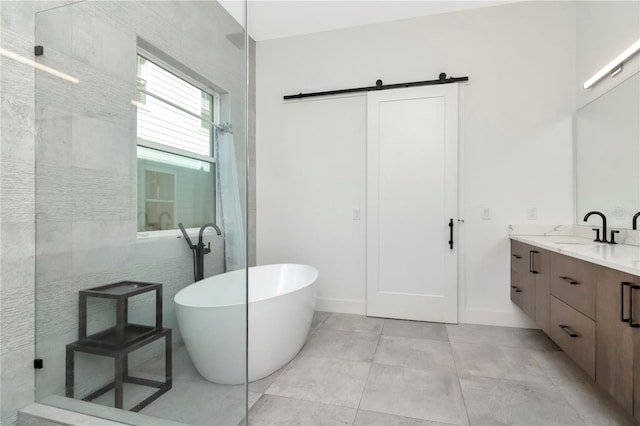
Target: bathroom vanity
x,y
586,297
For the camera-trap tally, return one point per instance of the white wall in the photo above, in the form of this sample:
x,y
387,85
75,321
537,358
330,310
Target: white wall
x,y
515,141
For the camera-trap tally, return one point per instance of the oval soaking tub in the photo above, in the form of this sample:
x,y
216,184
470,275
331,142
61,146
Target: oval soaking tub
x,y
211,318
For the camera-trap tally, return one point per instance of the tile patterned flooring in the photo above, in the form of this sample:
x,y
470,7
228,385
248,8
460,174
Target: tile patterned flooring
x,y
356,370
360,371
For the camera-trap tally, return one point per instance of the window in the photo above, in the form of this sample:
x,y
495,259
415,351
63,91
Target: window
x,y
176,122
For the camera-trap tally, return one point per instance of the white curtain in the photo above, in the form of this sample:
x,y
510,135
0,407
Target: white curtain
x,y
232,220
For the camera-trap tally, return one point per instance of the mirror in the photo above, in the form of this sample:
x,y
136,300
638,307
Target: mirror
x,y
608,155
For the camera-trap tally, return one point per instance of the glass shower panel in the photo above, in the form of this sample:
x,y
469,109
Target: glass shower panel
x,y
107,326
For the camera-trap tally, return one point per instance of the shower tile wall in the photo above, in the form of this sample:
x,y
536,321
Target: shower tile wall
x,y
86,172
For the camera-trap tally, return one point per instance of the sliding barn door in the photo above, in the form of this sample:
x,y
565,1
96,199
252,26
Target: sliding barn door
x,y
412,195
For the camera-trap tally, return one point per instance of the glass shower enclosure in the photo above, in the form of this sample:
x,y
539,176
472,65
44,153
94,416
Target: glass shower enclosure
x,y
141,117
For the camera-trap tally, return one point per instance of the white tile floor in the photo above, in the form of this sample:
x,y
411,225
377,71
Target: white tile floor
x,y
356,370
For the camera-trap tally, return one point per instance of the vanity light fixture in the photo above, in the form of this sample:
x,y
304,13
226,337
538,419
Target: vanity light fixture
x,y
615,66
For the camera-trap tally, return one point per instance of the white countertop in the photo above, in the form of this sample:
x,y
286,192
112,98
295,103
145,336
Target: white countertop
x,y
622,257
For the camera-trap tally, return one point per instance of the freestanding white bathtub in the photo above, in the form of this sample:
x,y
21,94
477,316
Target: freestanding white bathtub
x,y
211,318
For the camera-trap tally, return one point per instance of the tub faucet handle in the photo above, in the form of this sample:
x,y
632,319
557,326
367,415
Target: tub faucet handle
x,y
204,249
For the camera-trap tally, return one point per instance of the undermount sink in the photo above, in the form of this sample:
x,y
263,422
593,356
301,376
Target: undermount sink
x,y
609,251
624,252
620,252
572,239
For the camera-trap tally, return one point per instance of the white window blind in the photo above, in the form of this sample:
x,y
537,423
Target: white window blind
x,y
173,112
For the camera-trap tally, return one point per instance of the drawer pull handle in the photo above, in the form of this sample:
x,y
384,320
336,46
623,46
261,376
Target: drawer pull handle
x,y
631,323
622,286
532,261
570,280
516,289
568,330
517,256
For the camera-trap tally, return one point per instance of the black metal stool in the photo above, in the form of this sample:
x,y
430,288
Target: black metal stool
x,y
119,341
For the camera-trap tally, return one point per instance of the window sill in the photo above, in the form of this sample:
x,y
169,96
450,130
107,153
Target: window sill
x,y
175,233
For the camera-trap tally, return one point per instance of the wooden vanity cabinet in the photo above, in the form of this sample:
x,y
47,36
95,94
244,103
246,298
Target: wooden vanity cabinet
x,y
592,312
530,281
615,342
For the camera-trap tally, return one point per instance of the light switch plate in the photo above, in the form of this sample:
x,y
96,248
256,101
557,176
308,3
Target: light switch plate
x,y
486,213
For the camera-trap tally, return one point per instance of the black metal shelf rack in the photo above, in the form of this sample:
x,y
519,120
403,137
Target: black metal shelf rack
x,y
119,341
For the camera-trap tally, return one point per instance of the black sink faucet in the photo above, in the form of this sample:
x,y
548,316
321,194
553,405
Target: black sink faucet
x,y
634,222
604,225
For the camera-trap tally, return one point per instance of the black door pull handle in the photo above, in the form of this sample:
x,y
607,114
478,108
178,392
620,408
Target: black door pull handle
x,y
451,234
532,261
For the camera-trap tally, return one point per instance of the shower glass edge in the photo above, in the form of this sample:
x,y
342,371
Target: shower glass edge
x,y
89,195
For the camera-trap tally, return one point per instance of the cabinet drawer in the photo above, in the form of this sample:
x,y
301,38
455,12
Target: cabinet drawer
x,y
574,282
574,333
516,288
523,292
519,257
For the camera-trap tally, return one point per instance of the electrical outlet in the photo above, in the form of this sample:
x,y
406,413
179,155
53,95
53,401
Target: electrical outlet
x,y
486,213
532,213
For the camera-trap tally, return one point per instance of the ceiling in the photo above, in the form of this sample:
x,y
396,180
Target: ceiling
x,y
270,19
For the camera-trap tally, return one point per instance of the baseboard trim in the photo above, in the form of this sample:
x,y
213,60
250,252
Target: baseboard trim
x,y
341,306
500,318
513,318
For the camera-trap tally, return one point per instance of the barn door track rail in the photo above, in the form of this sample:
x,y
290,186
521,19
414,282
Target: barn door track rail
x,y
442,79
